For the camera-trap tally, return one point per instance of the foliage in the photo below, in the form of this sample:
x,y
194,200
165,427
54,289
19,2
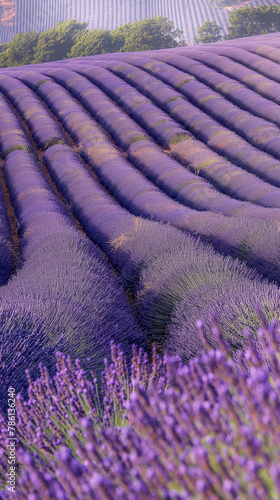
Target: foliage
x,y
92,42
148,34
71,39
20,50
56,43
208,32
249,21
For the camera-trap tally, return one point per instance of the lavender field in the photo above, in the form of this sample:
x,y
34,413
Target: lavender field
x,y
140,209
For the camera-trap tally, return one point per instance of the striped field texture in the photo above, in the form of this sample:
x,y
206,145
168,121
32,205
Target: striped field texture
x,y
187,15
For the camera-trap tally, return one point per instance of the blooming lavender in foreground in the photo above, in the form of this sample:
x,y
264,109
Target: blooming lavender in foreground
x,y
209,429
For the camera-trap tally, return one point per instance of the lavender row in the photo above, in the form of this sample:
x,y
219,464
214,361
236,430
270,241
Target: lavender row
x,y
142,198
180,273
253,61
214,430
269,52
257,131
237,93
124,182
186,187
209,131
7,263
12,135
103,219
135,192
201,124
39,313
42,127
135,248
125,132
222,61
155,121
233,181
118,124
151,258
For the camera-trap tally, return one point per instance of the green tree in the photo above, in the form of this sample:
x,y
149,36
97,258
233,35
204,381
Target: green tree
x,y
92,42
149,34
56,43
20,50
249,21
208,32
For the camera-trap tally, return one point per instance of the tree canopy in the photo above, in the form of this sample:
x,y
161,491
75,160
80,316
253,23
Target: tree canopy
x,y
92,42
73,39
208,32
249,21
56,43
148,34
20,50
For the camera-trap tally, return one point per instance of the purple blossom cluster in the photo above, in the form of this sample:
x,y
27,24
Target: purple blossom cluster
x,y
208,429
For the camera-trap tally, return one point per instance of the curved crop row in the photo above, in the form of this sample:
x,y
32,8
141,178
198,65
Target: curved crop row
x,y
188,188
238,93
217,59
128,97
39,312
6,244
150,257
44,130
255,130
155,121
217,137
253,61
126,132
12,136
117,123
141,197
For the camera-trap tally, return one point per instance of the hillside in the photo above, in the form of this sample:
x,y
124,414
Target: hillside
x,y
136,161
40,15
140,205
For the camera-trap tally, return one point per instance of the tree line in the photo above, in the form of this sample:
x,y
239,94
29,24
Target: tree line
x,y
72,39
247,21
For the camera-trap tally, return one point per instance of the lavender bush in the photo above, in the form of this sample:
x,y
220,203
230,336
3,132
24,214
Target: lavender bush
x,y
41,125
38,307
7,256
12,136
